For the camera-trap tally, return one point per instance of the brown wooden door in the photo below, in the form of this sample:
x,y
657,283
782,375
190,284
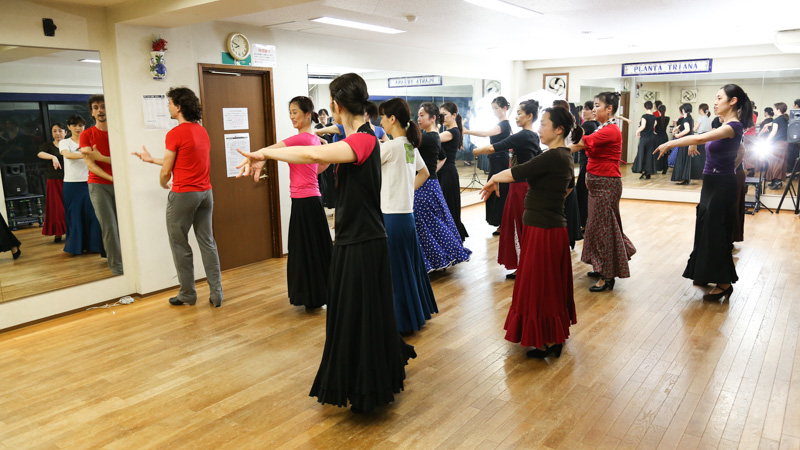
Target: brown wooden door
x,y
240,204
625,105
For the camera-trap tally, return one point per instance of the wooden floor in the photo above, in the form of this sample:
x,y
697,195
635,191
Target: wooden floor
x,y
44,267
648,365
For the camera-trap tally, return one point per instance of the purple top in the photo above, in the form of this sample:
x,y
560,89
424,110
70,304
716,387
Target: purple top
x,y
721,154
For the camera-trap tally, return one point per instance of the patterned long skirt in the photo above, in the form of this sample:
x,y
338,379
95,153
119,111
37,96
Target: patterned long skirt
x,y
605,246
438,235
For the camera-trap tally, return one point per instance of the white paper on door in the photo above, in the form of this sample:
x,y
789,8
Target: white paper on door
x,y
232,157
234,119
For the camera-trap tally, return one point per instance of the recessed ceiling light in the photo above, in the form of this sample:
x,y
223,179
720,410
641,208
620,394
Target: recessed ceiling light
x,y
86,60
359,25
505,7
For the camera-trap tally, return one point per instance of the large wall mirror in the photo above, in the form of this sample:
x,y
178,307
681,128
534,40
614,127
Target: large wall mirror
x,y
472,96
44,198
765,89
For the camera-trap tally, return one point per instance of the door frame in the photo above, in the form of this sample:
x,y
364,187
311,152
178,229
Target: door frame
x,y
625,103
271,166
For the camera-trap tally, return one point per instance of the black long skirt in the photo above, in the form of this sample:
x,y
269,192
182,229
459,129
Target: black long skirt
x,y
711,260
364,358
683,165
698,163
740,209
498,162
573,214
582,191
327,186
645,161
309,253
7,238
451,190
662,165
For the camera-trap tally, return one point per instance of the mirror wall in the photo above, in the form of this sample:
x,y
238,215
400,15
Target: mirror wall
x,y
765,88
44,199
473,97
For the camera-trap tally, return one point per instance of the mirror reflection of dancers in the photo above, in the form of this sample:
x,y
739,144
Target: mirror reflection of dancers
x,y
452,140
682,171
542,305
645,162
414,301
438,235
498,161
364,359
662,123
711,260
605,246
526,147
8,242
778,147
54,224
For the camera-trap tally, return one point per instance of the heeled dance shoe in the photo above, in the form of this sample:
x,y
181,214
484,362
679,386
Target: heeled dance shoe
x,y
716,297
609,284
17,253
541,354
594,274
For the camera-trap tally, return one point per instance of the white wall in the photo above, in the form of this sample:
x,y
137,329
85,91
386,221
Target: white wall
x,y
38,79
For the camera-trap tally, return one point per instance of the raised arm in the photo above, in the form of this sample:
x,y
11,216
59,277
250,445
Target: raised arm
x,y
723,132
52,158
494,131
331,129
338,152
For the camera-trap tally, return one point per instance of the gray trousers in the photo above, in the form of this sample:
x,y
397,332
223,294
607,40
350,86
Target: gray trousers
x,y
105,208
184,210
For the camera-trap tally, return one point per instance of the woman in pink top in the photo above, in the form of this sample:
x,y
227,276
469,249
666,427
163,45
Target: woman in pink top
x,y
309,236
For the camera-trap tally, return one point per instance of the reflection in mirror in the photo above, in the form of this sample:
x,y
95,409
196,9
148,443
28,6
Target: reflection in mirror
x,y
57,191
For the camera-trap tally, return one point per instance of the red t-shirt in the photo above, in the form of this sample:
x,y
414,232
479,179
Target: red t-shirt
x,y
752,130
604,150
656,113
190,173
93,137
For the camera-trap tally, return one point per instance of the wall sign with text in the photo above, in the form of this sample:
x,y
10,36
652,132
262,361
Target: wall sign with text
x,y
666,67
430,80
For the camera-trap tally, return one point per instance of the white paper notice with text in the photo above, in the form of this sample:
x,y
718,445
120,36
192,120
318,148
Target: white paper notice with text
x,y
232,157
234,119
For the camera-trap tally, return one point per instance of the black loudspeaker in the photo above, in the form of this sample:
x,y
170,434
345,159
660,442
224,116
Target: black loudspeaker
x,y
793,130
15,182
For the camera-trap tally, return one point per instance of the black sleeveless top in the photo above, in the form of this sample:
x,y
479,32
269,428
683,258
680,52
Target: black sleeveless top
x,y
649,125
451,147
358,186
431,151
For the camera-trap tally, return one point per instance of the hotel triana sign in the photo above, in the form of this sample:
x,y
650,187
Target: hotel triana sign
x,y
666,67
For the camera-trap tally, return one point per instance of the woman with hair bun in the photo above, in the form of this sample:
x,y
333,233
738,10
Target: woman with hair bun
x,y
364,359
526,147
662,124
452,140
711,260
498,161
645,162
542,305
605,246
682,172
438,234
413,296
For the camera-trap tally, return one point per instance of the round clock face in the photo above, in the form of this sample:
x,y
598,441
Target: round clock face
x,y
238,46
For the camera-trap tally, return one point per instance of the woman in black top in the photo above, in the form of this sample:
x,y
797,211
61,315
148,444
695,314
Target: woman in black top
x,y
498,161
364,356
682,172
451,140
779,146
589,125
542,306
662,123
526,147
8,242
54,223
645,162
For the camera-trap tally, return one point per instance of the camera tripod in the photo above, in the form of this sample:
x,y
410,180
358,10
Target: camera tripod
x,y
475,180
791,190
760,184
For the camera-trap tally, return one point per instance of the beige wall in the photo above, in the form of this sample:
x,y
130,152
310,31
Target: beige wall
x,y
124,50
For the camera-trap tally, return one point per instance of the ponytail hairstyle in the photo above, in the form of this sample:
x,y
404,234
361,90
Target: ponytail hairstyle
x,y
398,108
372,111
453,109
501,102
780,106
658,105
663,119
530,107
648,105
306,105
704,107
561,117
349,91
610,99
743,102
431,110
769,112
588,105
687,109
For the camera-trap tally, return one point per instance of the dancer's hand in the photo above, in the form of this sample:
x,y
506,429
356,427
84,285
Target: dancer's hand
x,y
489,188
693,151
144,155
252,164
661,150
56,164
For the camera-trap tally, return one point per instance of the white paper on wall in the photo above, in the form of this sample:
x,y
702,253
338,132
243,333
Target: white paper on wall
x,y
263,55
156,112
232,157
234,119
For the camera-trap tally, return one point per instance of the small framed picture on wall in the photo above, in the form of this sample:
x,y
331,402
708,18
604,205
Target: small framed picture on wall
x,y
557,83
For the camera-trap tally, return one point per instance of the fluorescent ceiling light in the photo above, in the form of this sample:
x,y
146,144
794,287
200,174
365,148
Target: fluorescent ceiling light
x,y
505,7
86,60
359,25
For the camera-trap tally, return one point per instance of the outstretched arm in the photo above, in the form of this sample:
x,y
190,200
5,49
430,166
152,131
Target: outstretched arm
x,y
338,152
494,131
723,132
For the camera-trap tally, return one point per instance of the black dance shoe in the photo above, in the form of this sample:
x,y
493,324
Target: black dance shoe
x,y
776,185
716,297
594,275
176,302
542,354
16,253
684,183
609,284
642,176
57,239
512,275
647,177
217,305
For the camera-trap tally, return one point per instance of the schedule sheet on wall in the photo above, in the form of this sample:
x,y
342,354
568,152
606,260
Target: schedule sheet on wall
x,y
156,113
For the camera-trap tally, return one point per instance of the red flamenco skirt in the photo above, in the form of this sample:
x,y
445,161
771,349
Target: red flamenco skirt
x,y
542,307
508,246
54,223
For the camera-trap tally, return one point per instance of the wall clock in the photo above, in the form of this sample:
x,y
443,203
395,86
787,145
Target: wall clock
x,y
238,46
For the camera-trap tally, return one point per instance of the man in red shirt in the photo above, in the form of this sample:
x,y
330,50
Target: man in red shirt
x,y
97,155
190,202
